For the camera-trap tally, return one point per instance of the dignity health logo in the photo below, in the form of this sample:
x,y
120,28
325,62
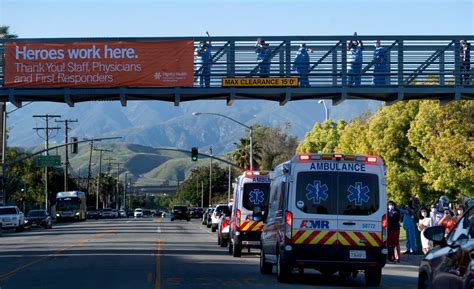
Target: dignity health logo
x,y
170,76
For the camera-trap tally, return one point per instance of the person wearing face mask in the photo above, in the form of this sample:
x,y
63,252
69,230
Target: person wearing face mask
x,y
380,65
409,227
424,223
459,212
447,221
301,64
205,55
264,54
435,215
393,233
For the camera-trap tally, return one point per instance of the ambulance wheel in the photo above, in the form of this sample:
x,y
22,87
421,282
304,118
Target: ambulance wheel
x,y
283,271
373,276
236,250
223,243
230,248
265,267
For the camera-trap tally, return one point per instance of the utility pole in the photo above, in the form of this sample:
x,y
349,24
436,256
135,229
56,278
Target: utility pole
x,y
118,186
98,177
124,203
202,194
110,165
3,111
90,167
66,152
210,176
228,192
47,131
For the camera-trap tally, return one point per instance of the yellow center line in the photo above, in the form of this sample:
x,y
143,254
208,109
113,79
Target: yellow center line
x,y
10,274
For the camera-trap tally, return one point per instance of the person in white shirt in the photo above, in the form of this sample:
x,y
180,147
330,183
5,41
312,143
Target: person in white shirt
x,y
425,222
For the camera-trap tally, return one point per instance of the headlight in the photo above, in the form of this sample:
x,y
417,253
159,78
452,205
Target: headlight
x,y
57,215
77,214
26,221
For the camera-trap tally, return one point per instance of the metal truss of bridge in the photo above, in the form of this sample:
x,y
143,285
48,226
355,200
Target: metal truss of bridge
x,y
420,67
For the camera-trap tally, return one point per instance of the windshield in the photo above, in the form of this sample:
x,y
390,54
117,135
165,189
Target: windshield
x,y
337,193
106,210
69,204
36,214
7,211
181,208
255,194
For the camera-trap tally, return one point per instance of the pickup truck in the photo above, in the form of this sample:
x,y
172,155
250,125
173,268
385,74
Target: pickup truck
x,y
12,218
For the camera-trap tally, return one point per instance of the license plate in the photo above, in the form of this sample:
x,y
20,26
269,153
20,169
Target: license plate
x,y
357,254
5,220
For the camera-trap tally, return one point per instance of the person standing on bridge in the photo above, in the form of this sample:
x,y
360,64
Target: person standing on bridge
x,y
380,65
301,64
204,52
263,57
465,61
355,48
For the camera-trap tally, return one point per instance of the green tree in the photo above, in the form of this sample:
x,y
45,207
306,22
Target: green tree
x,y
189,192
444,137
387,135
5,32
323,138
353,139
241,155
276,145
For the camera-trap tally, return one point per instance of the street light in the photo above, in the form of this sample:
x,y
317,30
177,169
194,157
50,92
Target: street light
x,y
236,121
325,108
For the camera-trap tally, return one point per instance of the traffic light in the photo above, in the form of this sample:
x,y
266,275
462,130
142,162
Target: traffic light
x,y
194,154
74,146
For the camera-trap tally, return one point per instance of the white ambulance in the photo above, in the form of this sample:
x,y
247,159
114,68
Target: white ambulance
x,y
327,212
251,192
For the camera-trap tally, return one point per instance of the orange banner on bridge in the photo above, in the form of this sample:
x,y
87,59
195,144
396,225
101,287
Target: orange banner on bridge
x,y
99,64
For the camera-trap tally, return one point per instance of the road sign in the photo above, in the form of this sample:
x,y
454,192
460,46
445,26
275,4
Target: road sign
x,y
260,82
48,161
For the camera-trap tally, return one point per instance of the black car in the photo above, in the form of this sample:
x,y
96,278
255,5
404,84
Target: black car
x,y
38,218
92,213
451,264
147,213
180,213
129,213
196,213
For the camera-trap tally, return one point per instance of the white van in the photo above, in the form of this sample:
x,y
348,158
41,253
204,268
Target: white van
x,y
251,193
327,212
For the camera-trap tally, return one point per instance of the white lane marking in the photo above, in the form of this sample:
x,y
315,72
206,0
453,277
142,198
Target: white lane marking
x,y
158,230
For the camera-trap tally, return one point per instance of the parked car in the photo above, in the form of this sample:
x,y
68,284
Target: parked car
x,y
180,213
115,213
92,213
451,264
138,213
106,213
122,214
206,216
216,214
39,218
12,218
196,213
147,213
130,213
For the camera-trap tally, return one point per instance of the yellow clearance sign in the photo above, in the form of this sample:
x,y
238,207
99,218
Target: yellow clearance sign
x,y
260,82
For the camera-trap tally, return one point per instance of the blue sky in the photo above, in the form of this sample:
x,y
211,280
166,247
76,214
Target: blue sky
x,y
114,18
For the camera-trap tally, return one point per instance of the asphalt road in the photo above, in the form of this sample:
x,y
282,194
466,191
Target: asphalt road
x,y
149,254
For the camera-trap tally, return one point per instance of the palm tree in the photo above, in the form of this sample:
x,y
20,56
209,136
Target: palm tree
x,y
242,154
5,33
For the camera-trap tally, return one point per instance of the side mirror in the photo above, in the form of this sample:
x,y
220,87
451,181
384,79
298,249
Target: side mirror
x,y
435,234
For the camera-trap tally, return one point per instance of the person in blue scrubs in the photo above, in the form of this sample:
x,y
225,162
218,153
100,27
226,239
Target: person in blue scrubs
x,y
355,48
380,65
301,65
409,227
205,55
263,57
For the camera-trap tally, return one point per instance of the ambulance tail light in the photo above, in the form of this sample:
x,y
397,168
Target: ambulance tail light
x,y
384,228
304,157
236,224
238,215
289,226
372,160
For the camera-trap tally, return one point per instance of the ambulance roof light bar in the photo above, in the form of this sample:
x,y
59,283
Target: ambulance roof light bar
x,y
372,160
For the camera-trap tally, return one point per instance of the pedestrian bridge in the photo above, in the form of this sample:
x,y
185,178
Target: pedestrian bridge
x,y
418,67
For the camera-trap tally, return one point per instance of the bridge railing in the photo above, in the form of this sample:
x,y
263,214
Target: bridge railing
x,y
412,60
